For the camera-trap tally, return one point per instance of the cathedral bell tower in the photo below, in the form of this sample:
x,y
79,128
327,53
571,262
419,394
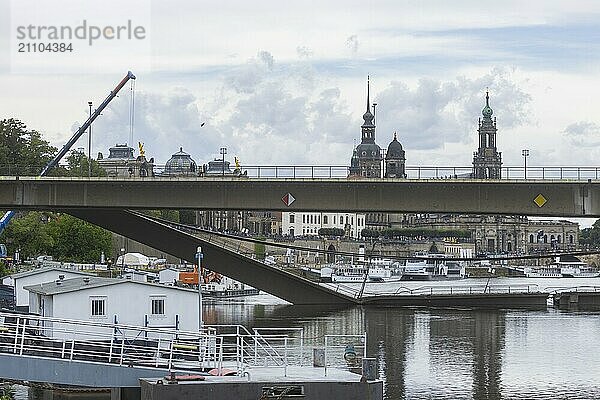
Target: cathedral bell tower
x,y
487,161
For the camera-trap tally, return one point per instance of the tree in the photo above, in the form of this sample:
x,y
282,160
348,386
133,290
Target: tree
x,y
77,240
22,151
369,233
331,232
78,164
168,215
591,236
28,234
260,249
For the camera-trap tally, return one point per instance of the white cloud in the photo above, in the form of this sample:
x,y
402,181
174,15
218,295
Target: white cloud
x,y
583,133
435,113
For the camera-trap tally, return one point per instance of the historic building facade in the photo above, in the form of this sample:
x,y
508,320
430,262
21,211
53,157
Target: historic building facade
x,y
487,161
494,234
309,223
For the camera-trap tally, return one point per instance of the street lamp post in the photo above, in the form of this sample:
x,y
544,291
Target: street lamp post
x,y
525,154
122,261
90,143
199,257
223,151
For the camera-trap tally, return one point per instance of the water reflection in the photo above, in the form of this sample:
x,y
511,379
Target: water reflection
x,y
450,354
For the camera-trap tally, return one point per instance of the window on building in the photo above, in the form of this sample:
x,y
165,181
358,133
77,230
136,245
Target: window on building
x,y
311,218
558,239
292,218
334,219
352,220
157,306
545,238
319,219
571,239
325,219
98,306
530,238
303,218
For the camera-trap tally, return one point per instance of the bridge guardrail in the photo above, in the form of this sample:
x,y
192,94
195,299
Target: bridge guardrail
x,y
326,172
215,346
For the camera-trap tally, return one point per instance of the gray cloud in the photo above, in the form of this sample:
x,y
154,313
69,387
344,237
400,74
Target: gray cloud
x,y
352,43
304,52
583,134
269,115
436,112
163,121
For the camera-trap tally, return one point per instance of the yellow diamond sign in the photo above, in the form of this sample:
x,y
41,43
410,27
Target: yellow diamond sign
x,y
540,200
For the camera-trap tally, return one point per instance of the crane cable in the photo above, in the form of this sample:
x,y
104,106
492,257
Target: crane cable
x,y
131,112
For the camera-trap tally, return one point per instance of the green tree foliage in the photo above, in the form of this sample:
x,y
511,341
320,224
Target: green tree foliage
x,y
369,233
77,165
398,233
22,151
169,215
591,236
331,232
28,234
259,249
187,217
77,240
4,270
64,237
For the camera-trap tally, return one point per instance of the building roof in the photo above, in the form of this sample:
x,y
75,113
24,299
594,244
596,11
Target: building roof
x,y
36,271
76,284
180,163
395,150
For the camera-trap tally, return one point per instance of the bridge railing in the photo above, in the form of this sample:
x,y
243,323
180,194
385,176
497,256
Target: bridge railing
x,y
578,289
355,290
92,341
321,171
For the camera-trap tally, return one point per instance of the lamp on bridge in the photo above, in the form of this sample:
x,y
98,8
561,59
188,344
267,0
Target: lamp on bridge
x,y
525,154
90,143
223,151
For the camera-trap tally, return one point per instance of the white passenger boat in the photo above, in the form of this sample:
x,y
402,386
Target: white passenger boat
x,y
431,267
377,270
546,271
573,267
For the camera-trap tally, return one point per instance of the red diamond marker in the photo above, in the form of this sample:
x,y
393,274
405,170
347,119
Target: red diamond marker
x,y
288,199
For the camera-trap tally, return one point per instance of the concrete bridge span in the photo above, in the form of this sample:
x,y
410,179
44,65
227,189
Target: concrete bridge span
x,y
230,262
564,198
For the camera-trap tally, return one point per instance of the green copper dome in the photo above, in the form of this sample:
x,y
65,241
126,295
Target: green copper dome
x,y
487,110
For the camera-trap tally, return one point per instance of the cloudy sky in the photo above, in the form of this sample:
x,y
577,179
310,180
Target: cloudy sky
x,y
285,82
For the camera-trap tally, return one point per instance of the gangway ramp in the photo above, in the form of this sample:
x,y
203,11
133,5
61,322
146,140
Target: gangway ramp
x,y
228,261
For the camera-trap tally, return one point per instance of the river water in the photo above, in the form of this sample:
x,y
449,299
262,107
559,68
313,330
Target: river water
x,y
451,353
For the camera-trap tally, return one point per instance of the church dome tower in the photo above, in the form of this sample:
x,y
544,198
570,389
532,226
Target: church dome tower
x,y
395,160
487,161
368,152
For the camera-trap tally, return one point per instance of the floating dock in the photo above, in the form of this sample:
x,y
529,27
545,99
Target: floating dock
x,y
306,383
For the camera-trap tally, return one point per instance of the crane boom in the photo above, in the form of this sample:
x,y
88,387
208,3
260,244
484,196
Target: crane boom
x,y
54,162
4,221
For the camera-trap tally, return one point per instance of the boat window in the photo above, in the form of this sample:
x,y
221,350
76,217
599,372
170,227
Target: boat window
x,y
157,305
98,305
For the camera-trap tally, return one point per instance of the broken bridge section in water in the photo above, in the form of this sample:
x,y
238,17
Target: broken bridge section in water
x,y
218,255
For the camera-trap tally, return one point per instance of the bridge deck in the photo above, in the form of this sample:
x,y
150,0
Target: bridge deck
x,y
511,197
